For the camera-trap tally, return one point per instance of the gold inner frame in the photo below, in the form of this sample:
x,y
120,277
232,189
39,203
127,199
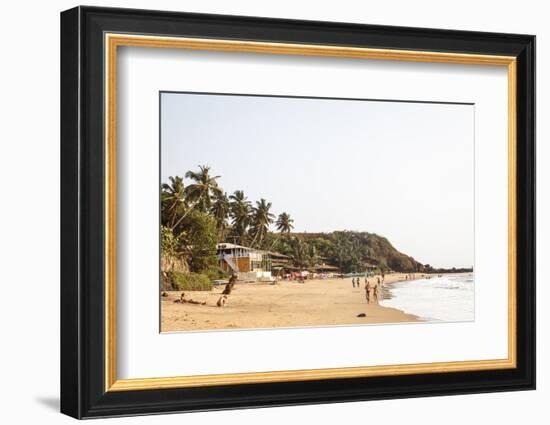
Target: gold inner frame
x,y
113,41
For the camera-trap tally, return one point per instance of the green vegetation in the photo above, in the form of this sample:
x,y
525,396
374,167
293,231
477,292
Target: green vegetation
x,y
189,281
349,251
284,223
197,216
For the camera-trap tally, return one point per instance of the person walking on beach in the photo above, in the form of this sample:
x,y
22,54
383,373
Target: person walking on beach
x,y
370,291
377,292
353,281
367,294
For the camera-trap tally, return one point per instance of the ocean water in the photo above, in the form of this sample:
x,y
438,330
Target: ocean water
x,y
449,298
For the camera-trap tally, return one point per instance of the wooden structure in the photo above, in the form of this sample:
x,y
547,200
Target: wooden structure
x,y
241,259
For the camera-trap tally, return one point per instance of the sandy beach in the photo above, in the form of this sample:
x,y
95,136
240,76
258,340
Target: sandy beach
x,y
285,304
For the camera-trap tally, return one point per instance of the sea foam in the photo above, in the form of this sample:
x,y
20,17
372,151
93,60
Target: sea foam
x,y
449,298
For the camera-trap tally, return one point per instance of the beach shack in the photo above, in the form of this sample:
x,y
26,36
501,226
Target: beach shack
x,y
280,263
326,268
370,268
249,264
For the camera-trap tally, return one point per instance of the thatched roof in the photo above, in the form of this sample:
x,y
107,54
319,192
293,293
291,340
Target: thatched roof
x,y
326,267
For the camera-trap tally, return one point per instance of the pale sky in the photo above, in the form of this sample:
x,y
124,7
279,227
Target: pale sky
x,y
399,169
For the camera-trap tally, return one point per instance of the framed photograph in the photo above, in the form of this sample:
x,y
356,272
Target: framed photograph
x,y
261,212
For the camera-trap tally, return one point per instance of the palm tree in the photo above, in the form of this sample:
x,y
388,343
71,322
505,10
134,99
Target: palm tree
x,y
299,252
262,218
204,187
172,200
240,215
284,223
220,210
312,256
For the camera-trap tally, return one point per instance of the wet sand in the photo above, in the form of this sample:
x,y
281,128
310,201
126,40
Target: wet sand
x,y
285,304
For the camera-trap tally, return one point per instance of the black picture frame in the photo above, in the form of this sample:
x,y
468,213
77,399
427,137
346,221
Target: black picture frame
x,y
83,392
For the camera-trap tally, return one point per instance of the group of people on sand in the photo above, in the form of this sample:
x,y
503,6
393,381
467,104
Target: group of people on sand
x,y
373,288
183,299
